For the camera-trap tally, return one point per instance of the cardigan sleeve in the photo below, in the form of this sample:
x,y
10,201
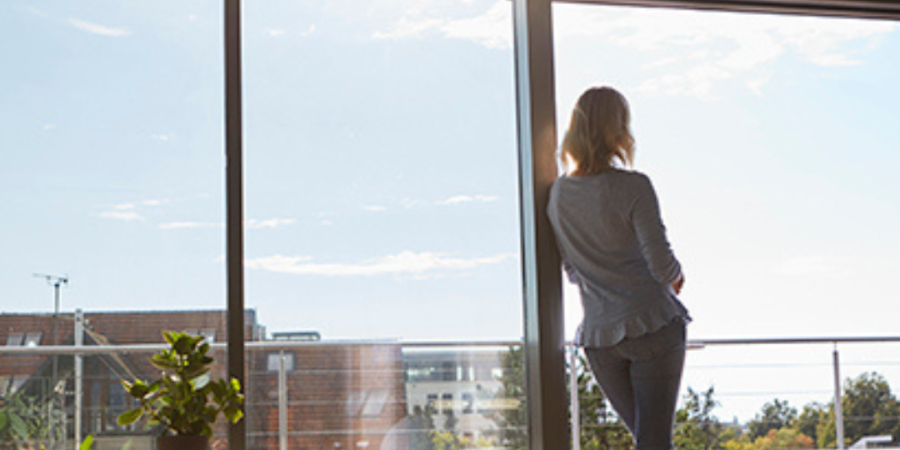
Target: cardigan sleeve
x,y
651,234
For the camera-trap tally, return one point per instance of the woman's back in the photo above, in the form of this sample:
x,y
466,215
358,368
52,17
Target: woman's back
x,y
614,247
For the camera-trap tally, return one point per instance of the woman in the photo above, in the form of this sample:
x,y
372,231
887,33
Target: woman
x,y
614,247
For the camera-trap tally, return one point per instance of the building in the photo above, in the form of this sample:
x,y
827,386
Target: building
x,y
333,395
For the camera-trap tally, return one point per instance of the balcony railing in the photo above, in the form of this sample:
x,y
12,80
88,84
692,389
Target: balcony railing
x,y
382,394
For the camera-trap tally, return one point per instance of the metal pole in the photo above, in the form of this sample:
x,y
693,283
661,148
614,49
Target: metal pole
x,y
234,193
573,398
79,375
282,403
838,406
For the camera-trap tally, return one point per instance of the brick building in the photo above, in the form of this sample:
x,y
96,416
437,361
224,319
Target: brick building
x,y
336,396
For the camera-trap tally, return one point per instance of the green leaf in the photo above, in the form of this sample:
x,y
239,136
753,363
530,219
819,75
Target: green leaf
x,y
130,417
87,443
183,345
200,382
171,337
233,414
3,420
19,427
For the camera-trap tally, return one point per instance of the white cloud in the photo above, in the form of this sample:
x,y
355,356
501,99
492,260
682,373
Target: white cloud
x,y
458,199
49,126
403,263
309,31
813,265
121,215
101,30
692,52
185,225
491,28
129,210
255,224
374,208
250,224
275,32
161,137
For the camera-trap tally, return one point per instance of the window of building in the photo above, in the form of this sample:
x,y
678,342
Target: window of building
x,y
209,335
431,405
468,403
15,339
33,339
447,402
375,402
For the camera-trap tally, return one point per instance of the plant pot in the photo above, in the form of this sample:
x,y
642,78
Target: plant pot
x,y
182,443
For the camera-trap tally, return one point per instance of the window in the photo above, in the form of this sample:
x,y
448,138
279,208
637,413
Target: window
x,y
375,402
468,401
33,339
447,405
15,339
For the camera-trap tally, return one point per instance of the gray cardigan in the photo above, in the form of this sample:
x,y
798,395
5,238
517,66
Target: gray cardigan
x,y
614,247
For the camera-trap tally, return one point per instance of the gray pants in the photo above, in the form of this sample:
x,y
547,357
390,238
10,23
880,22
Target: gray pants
x,y
640,377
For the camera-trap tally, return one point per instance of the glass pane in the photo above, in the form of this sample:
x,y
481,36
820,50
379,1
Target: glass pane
x,y
111,188
382,212
769,140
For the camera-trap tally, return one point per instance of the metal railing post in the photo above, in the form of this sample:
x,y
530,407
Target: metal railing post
x,y
838,405
79,375
573,398
282,403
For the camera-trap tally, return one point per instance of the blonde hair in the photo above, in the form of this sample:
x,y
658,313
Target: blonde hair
x,y
599,133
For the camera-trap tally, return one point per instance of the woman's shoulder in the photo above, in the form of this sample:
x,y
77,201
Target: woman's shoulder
x,y
616,175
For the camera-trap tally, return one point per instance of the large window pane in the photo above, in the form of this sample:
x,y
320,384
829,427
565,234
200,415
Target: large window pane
x,y
770,142
112,177
382,210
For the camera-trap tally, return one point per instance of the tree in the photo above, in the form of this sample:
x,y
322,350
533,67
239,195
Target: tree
x,y
24,419
512,419
697,428
774,416
808,421
421,425
601,429
870,408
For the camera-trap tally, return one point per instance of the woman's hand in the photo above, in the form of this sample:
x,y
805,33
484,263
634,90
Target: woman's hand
x,y
678,283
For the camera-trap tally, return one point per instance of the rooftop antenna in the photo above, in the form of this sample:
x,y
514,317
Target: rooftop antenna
x,y
55,281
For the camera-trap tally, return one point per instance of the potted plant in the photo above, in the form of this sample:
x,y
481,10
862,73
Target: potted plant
x,y
186,401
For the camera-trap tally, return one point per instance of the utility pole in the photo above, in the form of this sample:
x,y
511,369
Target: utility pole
x,y
57,282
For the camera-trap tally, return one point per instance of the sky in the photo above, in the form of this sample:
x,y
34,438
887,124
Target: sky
x,y
381,190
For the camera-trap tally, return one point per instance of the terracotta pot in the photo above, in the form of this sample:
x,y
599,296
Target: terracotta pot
x,y
182,443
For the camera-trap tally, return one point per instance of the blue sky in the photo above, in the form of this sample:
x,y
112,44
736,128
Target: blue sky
x,y
381,171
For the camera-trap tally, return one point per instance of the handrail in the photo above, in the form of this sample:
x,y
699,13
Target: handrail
x,y
274,345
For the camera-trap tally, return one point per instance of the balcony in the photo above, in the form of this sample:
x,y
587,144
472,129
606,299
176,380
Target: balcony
x,y
404,395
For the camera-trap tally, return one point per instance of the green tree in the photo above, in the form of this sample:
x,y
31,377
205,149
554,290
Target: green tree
x,y
774,416
421,425
512,418
870,408
601,429
808,420
697,428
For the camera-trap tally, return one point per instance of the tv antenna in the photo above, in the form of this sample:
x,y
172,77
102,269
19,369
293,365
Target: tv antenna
x,y
56,281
